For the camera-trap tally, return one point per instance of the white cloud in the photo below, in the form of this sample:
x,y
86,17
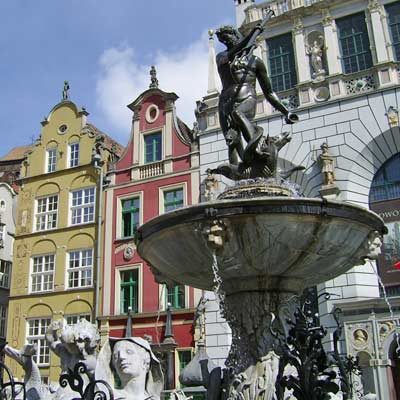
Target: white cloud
x,y
123,77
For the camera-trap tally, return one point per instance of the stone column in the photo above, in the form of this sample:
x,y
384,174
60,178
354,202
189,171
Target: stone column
x,y
303,61
331,44
380,43
212,65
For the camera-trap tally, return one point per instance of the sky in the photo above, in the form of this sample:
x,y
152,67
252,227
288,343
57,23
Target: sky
x,y
105,50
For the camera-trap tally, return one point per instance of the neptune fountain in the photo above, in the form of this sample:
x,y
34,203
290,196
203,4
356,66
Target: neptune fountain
x,y
259,245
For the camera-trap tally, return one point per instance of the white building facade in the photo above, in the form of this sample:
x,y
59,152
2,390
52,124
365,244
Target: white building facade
x,y
334,63
8,203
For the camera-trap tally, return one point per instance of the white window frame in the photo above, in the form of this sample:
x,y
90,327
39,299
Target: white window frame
x,y
177,363
51,160
45,214
5,269
163,189
139,195
3,320
72,319
42,356
80,211
46,276
73,154
162,292
80,269
117,297
142,148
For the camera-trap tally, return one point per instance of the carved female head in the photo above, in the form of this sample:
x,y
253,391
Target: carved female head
x,y
133,362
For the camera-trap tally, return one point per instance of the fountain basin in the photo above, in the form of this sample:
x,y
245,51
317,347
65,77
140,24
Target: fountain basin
x,y
278,243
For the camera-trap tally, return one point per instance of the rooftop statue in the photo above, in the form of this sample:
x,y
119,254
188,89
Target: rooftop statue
x,y
239,70
136,367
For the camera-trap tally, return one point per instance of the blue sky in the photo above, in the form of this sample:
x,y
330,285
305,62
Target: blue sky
x,y
104,49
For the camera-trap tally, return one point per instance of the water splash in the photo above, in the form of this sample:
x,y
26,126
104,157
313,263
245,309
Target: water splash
x,y
219,293
156,326
389,306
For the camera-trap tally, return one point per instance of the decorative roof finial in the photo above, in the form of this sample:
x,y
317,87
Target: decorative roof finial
x,y
65,91
153,78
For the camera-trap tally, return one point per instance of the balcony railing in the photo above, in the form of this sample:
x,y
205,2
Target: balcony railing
x,y
150,170
278,6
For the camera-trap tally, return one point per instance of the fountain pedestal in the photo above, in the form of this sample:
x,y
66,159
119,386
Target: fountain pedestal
x,y
259,252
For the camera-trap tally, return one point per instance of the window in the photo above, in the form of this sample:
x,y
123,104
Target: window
x,y
152,147
73,154
281,62
173,199
2,234
176,296
42,278
184,358
73,319
36,335
46,213
386,182
5,270
130,216
80,268
354,43
3,320
129,290
393,11
82,209
51,159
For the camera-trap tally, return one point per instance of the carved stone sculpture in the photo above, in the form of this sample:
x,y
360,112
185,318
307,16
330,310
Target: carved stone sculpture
x,y
136,367
314,50
210,186
34,388
327,163
75,344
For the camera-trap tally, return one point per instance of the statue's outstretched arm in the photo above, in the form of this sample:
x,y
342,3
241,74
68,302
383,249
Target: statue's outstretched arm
x,y
52,338
245,43
14,354
270,95
266,87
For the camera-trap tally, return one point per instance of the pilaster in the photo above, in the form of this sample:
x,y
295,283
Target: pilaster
x,y
331,44
303,63
376,13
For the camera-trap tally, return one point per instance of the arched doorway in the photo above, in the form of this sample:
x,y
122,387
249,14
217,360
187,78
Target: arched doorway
x,y
394,356
384,199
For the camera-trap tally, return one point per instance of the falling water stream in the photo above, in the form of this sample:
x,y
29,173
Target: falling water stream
x,y
219,294
389,305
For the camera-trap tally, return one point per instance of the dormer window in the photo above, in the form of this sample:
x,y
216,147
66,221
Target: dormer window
x,y
152,147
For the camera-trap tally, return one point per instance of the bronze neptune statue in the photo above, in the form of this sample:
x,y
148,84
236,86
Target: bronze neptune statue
x,y
239,70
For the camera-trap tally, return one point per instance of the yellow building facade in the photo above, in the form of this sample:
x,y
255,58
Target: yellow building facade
x,y
56,249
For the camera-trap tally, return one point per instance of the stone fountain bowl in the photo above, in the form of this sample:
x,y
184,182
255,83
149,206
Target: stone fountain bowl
x,y
278,243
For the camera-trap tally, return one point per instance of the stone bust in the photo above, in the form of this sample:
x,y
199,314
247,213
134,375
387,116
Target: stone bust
x,y
136,367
